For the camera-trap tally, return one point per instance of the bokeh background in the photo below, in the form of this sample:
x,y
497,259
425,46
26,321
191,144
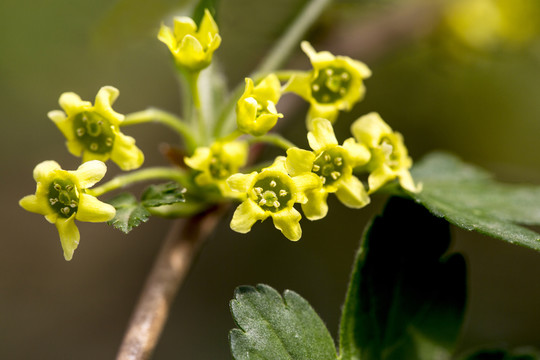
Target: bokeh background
x,y
456,81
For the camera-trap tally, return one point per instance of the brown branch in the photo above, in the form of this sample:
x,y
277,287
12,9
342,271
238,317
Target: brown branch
x,y
172,264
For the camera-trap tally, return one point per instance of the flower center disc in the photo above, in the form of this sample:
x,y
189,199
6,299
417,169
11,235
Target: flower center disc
x,y
330,85
272,192
63,197
94,132
329,165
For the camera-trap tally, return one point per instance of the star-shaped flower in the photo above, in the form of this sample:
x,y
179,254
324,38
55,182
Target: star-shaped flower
x,y
93,131
61,197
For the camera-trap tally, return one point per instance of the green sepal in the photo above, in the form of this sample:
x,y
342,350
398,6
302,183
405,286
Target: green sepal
x,y
275,327
406,298
469,198
129,212
163,194
201,5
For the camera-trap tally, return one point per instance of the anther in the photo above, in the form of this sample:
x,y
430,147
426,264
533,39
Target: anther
x,y
80,132
258,190
283,192
65,210
94,146
338,161
345,76
316,167
342,91
53,201
335,175
73,204
315,87
109,141
329,72
100,122
69,187
57,187
323,179
276,204
262,202
273,183
327,158
84,118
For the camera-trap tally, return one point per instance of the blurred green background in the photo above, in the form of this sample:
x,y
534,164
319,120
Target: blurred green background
x,y
480,102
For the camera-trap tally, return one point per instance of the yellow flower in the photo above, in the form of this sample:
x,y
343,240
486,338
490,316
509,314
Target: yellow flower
x,y
192,48
333,164
256,110
334,84
217,162
271,192
61,197
389,156
93,131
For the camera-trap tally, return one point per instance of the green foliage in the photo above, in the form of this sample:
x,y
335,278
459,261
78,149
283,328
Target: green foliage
x,y
129,212
272,327
405,299
201,5
468,197
163,194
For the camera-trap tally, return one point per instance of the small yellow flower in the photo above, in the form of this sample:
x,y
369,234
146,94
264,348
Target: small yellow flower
x,y
93,131
61,197
334,84
256,110
217,162
389,156
192,48
333,164
271,192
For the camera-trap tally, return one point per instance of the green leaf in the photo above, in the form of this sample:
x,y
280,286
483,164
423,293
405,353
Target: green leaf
x,y
405,299
503,354
198,12
272,327
468,197
163,194
129,213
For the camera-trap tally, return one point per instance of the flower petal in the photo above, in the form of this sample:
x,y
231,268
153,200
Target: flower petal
x,y
299,161
352,193
124,153
208,27
89,173
300,84
69,235
380,176
241,182
93,210
288,222
192,53
35,204
316,207
303,183
369,129
105,97
200,159
44,169
166,36
322,134
246,214
72,103
358,154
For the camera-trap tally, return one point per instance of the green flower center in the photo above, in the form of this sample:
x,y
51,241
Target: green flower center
x,y
331,84
329,165
219,169
272,191
94,132
63,197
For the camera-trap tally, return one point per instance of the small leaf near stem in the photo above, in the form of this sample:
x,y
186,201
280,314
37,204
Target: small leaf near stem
x,y
165,118
163,173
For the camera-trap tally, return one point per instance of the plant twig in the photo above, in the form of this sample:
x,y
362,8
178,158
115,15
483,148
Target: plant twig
x,y
172,264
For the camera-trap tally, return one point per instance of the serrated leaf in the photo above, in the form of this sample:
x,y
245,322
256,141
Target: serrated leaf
x,y
129,213
163,194
275,327
405,299
468,197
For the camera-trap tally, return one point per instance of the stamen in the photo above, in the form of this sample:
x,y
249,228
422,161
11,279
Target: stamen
x,y
329,72
94,146
276,204
258,190
283,192
85,118
73,204
273,183
69,187
80,132
327,158
65,210
57,187
323,179
338,161
335,175
326,98
345,76
53,201
262,202
109,141
342,91
315,87
316,168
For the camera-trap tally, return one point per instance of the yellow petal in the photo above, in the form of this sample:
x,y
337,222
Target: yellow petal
x,y
241,182
89,173
316,207
166,36
105,97
358,154
200,159
124,152
35,204
352,193
246,214
299,161
288,222
69,235
322,134
92,210
208,26
72,103
44,170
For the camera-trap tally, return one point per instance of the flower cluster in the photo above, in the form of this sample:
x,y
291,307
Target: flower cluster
x,y
211,165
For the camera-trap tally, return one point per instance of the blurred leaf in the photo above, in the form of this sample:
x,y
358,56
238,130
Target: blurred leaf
x,y
405,300
129,213
198,12
503,354
272,327
468,197
128,21
163,194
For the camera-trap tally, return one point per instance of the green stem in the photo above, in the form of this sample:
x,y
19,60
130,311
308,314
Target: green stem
x,y
285,75
274,139
165,118
163,173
